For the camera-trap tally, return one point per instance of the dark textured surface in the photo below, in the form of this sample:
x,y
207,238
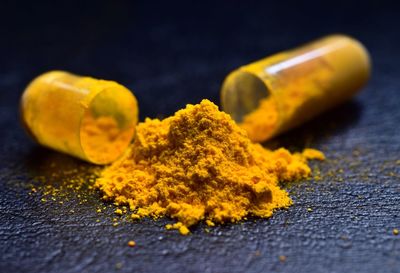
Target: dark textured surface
x,y
171,55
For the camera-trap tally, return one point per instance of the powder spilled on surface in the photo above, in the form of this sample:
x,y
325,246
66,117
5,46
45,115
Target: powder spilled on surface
x,y
199,165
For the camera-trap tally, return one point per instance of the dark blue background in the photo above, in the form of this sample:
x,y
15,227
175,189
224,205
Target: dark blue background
x,y
173,53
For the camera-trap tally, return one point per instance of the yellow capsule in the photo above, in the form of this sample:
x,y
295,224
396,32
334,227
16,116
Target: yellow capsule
x,y
278,93
81,116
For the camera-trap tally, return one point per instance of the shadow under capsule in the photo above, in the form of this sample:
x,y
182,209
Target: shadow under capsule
x,y
334,122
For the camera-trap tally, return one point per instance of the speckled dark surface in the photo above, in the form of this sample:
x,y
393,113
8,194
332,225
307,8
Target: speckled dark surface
x,y
173,54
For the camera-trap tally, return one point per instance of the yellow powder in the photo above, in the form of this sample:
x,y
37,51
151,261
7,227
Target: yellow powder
x,y
199,165
102,139
314,154
272,117
179,226
262,122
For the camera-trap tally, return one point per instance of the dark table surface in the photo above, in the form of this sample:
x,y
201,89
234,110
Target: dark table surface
x,y
171,54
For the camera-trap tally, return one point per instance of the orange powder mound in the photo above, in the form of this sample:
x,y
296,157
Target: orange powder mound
x,y
200,165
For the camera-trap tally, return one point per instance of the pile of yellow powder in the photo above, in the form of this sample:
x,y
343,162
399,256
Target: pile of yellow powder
x,y
199,165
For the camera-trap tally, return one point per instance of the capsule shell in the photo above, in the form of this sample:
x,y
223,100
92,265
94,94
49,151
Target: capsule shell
x,y
88,118
280,92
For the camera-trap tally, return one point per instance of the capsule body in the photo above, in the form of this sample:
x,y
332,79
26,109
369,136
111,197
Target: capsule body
x,y
280,92
84,117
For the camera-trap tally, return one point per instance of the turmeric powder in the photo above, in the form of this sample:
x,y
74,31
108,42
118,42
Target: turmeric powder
x,y
199,165
102,138
261,122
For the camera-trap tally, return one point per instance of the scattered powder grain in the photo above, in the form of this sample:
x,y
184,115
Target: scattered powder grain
x,y
199,165
282,258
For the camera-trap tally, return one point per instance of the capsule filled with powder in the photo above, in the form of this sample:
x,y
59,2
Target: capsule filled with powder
x,y
81,116
278,93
